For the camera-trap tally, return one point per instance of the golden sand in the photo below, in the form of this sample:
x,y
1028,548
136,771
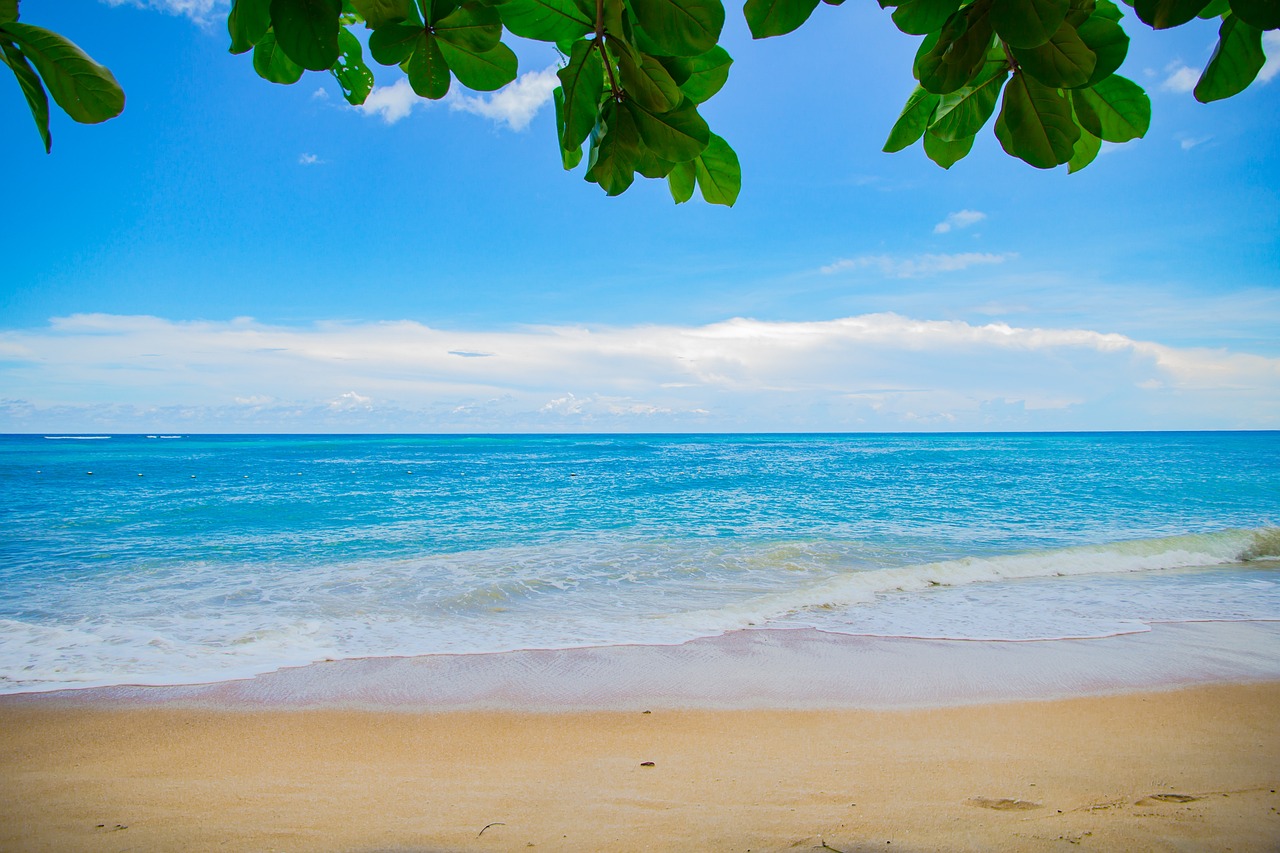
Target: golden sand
x,y
1190,769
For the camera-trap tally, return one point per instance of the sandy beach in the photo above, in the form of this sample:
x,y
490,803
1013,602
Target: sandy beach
x,y
266,765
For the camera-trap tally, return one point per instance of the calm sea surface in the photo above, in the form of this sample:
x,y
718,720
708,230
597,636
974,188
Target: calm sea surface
x,y
155,559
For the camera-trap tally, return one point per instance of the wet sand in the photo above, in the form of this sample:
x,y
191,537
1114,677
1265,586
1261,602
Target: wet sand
x,y
760,741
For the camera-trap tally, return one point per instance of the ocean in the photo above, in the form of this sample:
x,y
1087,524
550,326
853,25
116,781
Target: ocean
x,y
178,559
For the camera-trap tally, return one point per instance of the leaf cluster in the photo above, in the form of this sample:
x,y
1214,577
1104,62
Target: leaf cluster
x,y
1050,66
45,63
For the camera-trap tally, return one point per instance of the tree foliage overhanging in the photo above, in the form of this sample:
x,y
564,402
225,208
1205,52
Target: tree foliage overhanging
x,y
636,72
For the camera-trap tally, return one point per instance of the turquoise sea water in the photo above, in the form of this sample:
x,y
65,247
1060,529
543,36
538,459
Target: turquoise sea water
x,y
138,559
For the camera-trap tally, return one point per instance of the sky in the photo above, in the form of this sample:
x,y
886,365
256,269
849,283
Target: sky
x,y
231,255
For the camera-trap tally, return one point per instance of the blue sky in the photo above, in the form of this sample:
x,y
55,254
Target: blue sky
x,y
232,255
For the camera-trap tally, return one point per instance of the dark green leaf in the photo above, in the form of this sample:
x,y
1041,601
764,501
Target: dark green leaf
x,y
1163,14
963,113
583,83
32,89
307,31
436,11
1087,148
776,17
1263,14
471,26
1115,109
545,20
1110,11
918,17
652,166
428,72
9,12
700,77
379,13
484,71
959,53
911,124
646,81
1080,11
392,44
271,63
1035,123
569,157
1236,61
678,135
1215,9
248,22
352,74
681,27
85,90
1063,62
1028,23
719,173
946,153
1109,43
615,150
681,181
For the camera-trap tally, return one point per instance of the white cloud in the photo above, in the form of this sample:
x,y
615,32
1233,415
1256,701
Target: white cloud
x,y
309,160
1179,77
959,219
873,371
393,102
1186,143
1271,46
918,266
201,11
515,104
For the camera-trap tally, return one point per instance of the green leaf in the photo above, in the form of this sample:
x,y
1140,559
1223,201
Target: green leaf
x,y
1115,109
247,23
1163,14
1107,9
700,77
272,64
1109,43
1263,14
583,83
918,17
1035,123
427,69
436,11
32,88
946,153
615,150
1028,23
646,81
545,20
1236,61
1215,9
678,135
718,172
307,30
9,12
471,26
352,74
379,13
484,71
776,17
85,90
959,53
963,113
1080,11
911,124
569,157
682,180
681,27
392,44
1087,148
652,166
1064,61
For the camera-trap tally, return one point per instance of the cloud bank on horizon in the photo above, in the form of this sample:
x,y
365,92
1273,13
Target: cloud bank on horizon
x,y
885,371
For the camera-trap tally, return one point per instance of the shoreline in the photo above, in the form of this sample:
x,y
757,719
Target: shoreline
x,y
758,668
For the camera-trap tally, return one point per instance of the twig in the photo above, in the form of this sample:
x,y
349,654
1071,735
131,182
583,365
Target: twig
x,y
481,832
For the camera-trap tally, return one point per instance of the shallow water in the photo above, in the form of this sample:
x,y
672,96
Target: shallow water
x,y
205,557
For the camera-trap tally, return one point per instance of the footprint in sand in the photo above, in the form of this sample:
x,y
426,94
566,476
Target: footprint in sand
x,y
1172,798
1004,805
